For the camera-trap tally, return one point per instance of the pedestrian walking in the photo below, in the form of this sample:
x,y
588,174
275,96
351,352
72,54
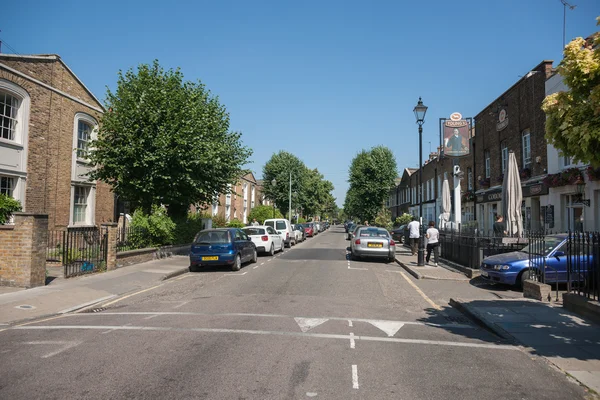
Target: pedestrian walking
x,y
366,223
433,243
254,222
413,234
499,226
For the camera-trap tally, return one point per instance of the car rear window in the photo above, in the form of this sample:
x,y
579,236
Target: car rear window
x,y
373,232
281,225
254,231
270,223
212,237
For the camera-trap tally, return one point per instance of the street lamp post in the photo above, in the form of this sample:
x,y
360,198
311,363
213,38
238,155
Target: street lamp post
x,y
290,199
273,183
420,110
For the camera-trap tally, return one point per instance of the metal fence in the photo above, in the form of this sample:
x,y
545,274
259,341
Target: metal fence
x,y
132,238
80,251
470,247
583,264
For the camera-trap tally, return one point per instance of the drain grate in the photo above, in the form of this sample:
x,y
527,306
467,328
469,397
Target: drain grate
x,y
94,310
25,307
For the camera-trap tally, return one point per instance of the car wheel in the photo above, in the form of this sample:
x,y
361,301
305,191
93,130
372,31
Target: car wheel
x,y
391,259
193,268
282,246
272,251
254,256
526,274
352,256
237,263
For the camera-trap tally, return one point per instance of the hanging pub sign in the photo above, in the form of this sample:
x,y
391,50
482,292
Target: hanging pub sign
x,y
455,133
502,120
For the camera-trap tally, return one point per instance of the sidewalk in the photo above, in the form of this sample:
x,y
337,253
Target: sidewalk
x,y
65,295
442,272
566,340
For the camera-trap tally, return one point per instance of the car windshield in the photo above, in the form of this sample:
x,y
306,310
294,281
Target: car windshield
x,y
306,225
544,248
280,225
254,231
212,237
373,232
270,223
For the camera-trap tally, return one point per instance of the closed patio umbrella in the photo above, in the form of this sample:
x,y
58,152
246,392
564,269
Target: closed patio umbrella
x,y
446,204
512,197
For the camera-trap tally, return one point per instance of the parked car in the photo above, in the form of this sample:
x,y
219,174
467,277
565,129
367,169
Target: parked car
x,y
283,227
350,230
266,239
513,268
309,229
298,232
399,233
371,241
317,227
224,246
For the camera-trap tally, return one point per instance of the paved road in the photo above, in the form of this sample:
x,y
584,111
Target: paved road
x,y
306,323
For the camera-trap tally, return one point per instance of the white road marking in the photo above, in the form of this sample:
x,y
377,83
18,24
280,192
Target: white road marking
x,y
66,345
350,323
129,295
181,304
311,394
389,327
276,333
389,270
364,269
354,376
352,342
89,303
151,316
262,263
423,295
236,274
270,259
307,324
454,326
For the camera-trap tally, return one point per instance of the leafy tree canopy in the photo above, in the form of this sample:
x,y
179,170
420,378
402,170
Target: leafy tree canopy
x,y
573,117
164,140
261,213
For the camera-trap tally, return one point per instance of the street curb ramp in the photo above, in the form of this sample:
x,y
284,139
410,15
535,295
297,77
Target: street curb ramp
x,y
175,273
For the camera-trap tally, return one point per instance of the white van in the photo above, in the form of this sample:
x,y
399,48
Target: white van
x,y
284,228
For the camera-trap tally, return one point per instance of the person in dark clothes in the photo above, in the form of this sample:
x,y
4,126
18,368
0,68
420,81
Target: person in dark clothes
x,y
499,226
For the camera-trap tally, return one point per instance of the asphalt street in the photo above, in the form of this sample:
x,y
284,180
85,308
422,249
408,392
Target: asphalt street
x,y
306,323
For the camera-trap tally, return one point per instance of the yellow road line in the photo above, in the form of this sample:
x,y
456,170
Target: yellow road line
x,y
418,289
40,320
129,295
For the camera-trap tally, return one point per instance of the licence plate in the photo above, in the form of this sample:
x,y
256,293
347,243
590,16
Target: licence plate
x,y
374,244
483,273
211,258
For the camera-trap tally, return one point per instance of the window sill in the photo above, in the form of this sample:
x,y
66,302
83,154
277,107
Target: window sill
x,y
12,144
81,226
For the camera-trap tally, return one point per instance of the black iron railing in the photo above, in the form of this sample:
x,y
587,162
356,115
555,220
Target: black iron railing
x,y
79,250
133,238
583,264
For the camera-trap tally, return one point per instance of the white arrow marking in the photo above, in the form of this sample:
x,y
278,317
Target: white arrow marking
x,y
389,327
65,346
306,324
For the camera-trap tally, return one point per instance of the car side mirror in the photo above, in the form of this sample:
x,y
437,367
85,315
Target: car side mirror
x,y
559,254
249,239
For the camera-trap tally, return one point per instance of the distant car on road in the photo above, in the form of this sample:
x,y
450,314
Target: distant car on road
x,y
283,227
309,229
350,230
225,246
399,233
513,268
298,233
371,241
266,239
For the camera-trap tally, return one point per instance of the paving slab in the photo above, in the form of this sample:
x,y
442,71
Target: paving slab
x,y
428,271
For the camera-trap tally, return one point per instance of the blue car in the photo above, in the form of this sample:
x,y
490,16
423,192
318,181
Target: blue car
x,y
513,268
226,246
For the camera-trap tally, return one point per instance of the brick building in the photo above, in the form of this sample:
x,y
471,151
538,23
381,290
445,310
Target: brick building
x,y
244,196
513,122
47,118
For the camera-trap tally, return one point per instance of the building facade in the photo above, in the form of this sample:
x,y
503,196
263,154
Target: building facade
x,y
48,117
240,200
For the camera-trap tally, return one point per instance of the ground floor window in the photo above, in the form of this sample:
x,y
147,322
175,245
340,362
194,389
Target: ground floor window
x,y
7,186
80,204
574,214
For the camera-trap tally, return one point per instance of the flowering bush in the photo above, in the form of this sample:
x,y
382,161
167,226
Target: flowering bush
x,y
468,196
593,173
525,173
567,177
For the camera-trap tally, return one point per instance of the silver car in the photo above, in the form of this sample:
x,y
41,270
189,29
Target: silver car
x,y
371,241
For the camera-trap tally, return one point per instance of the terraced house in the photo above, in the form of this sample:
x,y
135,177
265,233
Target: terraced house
x,y
47,119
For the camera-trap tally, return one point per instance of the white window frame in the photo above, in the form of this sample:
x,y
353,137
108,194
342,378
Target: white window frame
x,y
89,120
8,189
487,163
526,148
504,155
22,115
89,219
567,161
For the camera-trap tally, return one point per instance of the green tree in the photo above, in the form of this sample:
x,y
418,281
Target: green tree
x,y
403,219
573,117
278,168
262,213
383,219
371,175
8,206
167,141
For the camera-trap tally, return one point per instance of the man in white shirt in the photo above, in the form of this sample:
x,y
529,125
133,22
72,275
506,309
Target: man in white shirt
x,y
413,234
433,243
254,222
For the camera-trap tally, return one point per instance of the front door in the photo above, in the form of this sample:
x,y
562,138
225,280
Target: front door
x,y
574,215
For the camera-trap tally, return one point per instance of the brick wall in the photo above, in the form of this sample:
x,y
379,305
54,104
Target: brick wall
x,y
51,130
23,251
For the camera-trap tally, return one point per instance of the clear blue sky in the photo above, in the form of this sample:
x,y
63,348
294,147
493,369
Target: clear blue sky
x,y
321,79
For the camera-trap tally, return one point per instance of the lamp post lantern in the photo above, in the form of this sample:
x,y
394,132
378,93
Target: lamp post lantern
x,y
273,183
420,110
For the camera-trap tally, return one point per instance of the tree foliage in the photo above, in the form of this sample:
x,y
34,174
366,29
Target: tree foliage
x,y
8,206
310,190
262,213
573,117
403,219
383,219
371,175
167,141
